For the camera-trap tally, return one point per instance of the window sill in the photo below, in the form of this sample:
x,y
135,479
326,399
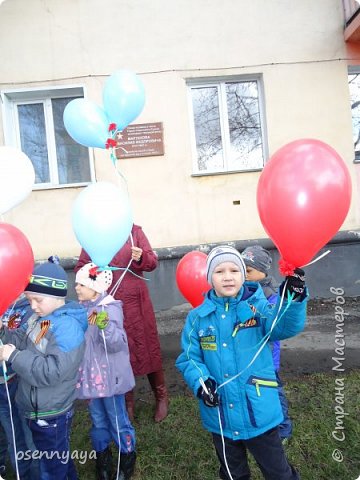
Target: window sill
x,y
207,174
38,187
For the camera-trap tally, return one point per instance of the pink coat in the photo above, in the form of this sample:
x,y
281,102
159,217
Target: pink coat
x,y
139,316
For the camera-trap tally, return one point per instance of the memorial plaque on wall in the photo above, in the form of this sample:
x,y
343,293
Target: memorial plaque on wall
x,y
140,140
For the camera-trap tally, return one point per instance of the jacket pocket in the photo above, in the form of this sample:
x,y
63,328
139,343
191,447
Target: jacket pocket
x,y
261,383
262,400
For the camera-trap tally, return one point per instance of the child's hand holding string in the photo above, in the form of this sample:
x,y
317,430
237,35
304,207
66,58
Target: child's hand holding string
x,y
5,351
207,393
295,283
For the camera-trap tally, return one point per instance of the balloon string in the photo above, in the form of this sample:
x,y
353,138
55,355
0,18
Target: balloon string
x,y
120,279
116,415
118,171
111,145
4,367
317,259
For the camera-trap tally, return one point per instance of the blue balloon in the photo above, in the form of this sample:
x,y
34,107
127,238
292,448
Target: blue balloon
x,y
102,220
86,123
123,97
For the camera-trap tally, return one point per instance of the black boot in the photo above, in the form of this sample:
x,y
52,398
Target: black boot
x,y
104,468
127,464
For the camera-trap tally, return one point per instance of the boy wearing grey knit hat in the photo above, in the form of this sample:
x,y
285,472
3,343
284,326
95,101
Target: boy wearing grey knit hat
x,y
258,262
226,362
219,260
256,258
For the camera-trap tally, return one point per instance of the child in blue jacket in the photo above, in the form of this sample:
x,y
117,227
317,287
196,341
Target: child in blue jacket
x,y
258,262
228,364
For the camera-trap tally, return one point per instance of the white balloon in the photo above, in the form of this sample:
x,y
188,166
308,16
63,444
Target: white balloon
x,y
17,177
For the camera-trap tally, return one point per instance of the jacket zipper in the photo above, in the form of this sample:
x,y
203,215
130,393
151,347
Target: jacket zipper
x,y
265,383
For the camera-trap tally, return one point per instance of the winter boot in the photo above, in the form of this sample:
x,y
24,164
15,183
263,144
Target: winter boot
x,y
104,468
130,404
2,471
127,465
158,386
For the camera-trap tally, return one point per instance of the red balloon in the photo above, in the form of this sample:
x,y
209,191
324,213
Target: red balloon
x,y
191,277
16,264
303,197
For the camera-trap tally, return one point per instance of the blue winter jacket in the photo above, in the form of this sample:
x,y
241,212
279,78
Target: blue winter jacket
x,y
221,339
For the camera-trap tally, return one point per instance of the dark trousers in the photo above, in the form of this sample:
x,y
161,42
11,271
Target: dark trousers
x,y
267,450
52,439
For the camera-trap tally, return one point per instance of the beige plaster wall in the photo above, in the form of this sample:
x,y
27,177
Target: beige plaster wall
x,y
297,46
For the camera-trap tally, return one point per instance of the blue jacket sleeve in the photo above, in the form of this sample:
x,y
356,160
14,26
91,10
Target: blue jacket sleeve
x,y
190,362
290,319
275,346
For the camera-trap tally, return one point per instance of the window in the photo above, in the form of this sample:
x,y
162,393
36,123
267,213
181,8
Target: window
x,y
227,125
33,122
354,86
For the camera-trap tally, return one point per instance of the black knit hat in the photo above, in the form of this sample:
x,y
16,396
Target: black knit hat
x,y
49,279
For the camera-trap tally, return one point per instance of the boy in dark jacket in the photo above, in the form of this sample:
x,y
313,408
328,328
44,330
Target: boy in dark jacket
x,y
46,353
258,262
227,362
12,420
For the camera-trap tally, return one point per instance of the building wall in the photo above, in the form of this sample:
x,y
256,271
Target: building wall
x,y
338,270
298,47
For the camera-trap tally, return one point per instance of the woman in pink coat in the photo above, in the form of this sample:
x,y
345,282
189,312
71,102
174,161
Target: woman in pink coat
x,y
139,317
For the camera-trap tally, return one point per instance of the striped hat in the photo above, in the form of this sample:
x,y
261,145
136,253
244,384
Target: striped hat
x,y
221,254
49,278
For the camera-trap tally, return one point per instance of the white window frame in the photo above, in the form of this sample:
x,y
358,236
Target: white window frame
x,y
216,82
11,98
353,70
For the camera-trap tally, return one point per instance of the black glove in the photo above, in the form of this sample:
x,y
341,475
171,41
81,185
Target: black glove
x,y
211,399
295,283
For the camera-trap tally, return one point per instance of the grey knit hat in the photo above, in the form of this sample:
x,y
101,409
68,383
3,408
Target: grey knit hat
x,y
257,257
221,254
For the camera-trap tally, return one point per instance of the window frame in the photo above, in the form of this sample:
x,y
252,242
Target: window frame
x,y
217,81
12,97
352,70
